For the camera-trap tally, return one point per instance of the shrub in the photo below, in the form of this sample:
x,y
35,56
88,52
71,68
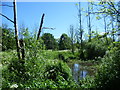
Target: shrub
x,y
93,50
60,73
66,56
37,73
60,68
108,75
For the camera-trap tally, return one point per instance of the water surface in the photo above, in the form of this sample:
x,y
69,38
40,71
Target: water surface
x,y
80,71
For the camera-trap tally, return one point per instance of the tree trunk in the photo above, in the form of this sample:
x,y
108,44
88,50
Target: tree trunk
x,y
113,37
40,26
16,29
80,25
89,23
105,27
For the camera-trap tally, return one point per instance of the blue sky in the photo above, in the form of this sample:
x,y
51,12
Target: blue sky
x,y
59,15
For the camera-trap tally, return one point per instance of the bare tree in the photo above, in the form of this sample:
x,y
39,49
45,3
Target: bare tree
x,y
16,28
80,25
15,25
72,37
89,22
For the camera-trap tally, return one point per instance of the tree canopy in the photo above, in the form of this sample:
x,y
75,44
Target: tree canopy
x,y
65,42
8,40
49,41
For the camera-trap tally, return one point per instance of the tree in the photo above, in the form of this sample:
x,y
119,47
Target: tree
x,y
80,26
80,29
49,41
64,42
110,8
105,27
15,25
72,37
16,29
89,22
8,39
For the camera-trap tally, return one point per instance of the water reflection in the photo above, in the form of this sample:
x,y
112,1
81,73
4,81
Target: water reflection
x,y
83,73
76,67
79,72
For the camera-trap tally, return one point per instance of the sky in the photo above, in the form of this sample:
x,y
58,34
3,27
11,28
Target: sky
x,y
58,15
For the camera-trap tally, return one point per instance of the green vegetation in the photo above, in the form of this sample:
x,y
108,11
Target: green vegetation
x,y
108,74
45,62
37,72
48,69
49,41
8,40
64,42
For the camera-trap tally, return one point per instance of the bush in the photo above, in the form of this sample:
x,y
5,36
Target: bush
x,y
108,76
60,68
66,56
37,73
93,50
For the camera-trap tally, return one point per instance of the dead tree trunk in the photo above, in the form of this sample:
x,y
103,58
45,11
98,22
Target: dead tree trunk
x,y
81,31
16,29
89,23
41,23
72,37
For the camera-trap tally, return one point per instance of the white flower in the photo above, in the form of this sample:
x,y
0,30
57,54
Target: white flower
x,y
14,86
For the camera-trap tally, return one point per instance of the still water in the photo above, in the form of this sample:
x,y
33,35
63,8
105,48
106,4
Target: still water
x,y
80,72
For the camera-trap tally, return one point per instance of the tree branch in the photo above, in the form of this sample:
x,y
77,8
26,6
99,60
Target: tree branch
x,y
112,5
99,12
6,5
6,17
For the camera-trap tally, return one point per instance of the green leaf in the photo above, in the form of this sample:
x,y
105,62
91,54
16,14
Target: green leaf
x,y
76,4
98,18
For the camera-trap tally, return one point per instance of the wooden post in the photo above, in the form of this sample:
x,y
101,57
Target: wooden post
x,y
40,26
16,29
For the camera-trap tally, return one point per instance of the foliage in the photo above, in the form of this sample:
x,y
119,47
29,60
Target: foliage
x,y
66,56
93,50
49,41
36,73
8,39
64,42
96,48
87,83
108,75
108,72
